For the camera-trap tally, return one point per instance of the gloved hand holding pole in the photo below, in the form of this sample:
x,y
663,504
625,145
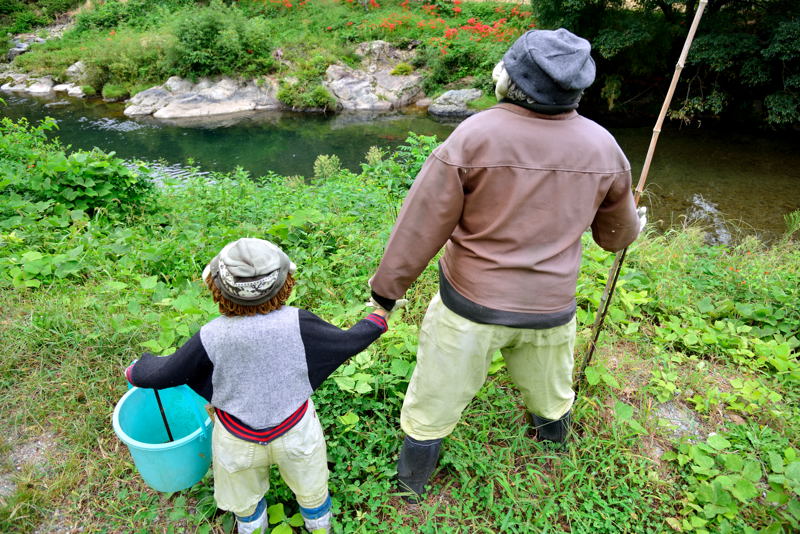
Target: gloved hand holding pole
x,y
613,273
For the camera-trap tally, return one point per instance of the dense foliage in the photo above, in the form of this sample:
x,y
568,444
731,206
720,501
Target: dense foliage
x,y
712,329
138,43
17,16
745,63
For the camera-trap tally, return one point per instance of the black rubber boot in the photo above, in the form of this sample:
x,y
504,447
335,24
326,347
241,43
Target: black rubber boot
x,y
554,431
416,464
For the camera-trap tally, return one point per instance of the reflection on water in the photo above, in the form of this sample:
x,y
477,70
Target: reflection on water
x,y
751,179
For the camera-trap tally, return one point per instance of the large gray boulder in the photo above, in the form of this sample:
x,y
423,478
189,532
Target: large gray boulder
x,y
16,82
76,72
41,86
373,87
181,99
454,103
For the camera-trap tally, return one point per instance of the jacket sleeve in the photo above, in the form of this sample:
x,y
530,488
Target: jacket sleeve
x,y
616,223
188,365
328,346
430,213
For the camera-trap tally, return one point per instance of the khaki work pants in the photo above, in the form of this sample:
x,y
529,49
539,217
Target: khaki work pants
x,y
241,468
453,359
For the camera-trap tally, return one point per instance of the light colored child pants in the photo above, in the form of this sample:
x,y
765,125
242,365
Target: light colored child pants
x,y
453,359
241,468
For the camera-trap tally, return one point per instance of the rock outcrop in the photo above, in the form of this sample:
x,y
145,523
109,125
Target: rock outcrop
x,y
454,103
373,87
178,98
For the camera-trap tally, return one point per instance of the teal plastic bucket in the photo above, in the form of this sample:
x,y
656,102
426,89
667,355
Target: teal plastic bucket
x,y
163,464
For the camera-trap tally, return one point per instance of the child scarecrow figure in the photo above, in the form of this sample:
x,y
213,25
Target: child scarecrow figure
x,y
258,364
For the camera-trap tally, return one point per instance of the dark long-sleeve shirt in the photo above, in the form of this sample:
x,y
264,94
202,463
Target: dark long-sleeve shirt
x,y
258,371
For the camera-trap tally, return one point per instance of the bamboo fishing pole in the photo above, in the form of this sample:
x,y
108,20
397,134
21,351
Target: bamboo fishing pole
x,y
613,273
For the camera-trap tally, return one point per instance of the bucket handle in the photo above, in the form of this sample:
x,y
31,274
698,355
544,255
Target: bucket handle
x,y
196,410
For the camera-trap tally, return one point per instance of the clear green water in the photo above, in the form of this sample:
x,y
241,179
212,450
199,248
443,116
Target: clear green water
x,y
749,178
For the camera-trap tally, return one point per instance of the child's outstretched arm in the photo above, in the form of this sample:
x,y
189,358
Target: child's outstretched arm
x,y
188,365
328,346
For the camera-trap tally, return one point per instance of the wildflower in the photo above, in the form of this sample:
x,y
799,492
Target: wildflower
x,y
456,10
112,32
329,28
350,23
249,51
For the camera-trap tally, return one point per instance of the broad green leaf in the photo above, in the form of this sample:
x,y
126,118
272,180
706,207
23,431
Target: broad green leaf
x,y
702,460
777,496
725,481
792,472
283,528
592,376
705,305
744,490
276,514
151,345
345,383
718,442
348,419
794,508
775,462
148,282
623,411
296,520
609,379
115,285
363,387
636,426
691,339
752,471
400,367
674,524
733,462
31,255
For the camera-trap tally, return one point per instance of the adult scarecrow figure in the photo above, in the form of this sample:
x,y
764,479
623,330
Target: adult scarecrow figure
x,y
508,194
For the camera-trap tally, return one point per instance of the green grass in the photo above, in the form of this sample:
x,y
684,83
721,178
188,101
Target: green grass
x,y
682,326
143,42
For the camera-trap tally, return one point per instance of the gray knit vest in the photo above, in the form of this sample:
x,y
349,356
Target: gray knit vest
x,y
260,371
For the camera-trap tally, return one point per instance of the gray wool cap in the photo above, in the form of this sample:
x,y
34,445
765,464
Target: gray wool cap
x,y
249,271
553,67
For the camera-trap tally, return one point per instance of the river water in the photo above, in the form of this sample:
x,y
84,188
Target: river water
x,y
734,182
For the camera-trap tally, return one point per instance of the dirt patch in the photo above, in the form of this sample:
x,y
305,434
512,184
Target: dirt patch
x,y
34,452
683,421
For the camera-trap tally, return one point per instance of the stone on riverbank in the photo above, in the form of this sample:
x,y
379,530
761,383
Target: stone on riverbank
x,y
373,87
454,103
178,98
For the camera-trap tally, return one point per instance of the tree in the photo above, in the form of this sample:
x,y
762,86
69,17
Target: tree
x,y
744,64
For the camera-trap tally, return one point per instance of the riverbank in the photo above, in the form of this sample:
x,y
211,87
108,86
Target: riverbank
x,y
177,59
691,422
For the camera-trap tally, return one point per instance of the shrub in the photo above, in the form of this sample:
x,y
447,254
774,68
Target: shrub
x,y
44,171
402,69
301,96
221,40
114,92
88,90
326,166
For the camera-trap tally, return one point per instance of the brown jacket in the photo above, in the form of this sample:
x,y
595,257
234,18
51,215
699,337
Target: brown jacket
x,y
509,193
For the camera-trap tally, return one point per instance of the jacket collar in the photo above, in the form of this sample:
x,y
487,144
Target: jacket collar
x,y
525,112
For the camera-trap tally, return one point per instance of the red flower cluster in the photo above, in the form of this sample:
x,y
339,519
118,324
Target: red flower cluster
x,y
394,20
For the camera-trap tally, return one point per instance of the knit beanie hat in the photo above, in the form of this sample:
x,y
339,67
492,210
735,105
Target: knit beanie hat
x,y
552,67
249,271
